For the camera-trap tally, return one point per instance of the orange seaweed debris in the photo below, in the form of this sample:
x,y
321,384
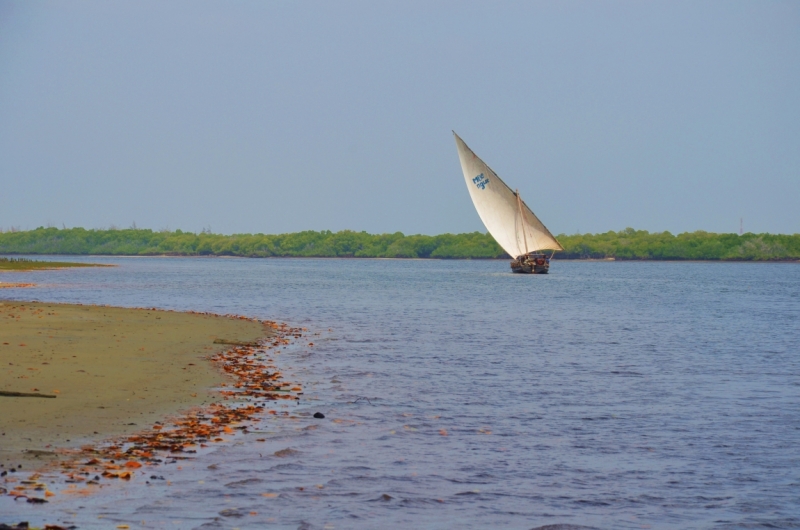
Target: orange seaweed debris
x,y
80,492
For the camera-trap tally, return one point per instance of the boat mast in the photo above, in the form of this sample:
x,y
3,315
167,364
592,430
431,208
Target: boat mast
x,y
522,221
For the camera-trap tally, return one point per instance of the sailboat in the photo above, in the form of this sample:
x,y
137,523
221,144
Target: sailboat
x,y
506,216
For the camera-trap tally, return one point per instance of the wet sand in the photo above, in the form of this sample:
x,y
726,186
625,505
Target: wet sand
x,y
113,371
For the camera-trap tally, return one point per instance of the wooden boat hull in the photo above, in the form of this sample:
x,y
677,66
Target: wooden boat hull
x,y
531,264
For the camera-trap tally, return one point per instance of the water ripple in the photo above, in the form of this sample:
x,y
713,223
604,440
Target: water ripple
x,y
605,395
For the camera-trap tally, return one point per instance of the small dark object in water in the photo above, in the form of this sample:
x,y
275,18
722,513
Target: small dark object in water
x,y
319,415
36,500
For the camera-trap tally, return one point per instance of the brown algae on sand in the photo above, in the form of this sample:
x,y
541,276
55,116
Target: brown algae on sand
x,y
114,371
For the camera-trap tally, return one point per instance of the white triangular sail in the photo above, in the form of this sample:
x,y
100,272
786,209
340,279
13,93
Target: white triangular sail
x,y
512,224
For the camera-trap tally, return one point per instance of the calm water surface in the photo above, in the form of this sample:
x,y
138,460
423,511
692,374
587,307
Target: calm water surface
x,y
458,395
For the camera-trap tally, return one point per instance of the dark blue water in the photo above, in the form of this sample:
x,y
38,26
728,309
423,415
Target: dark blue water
x,y
458,395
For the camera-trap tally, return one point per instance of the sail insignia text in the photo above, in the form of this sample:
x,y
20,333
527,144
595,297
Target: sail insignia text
x,y
481,181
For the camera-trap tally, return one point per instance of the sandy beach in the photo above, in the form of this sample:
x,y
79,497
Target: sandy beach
x,y
112,371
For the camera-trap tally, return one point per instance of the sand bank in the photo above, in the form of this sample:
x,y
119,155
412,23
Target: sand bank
x,y
26,265
113,371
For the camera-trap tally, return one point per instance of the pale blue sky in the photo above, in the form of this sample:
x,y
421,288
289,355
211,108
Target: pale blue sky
x,y
285,116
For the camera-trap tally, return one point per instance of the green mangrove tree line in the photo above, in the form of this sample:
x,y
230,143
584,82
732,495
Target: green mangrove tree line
x,y
626,244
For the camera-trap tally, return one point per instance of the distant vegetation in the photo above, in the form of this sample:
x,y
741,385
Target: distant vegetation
x,y
640,244
22,264
628,244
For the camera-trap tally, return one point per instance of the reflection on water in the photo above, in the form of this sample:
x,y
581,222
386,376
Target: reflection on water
x,y
457,395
